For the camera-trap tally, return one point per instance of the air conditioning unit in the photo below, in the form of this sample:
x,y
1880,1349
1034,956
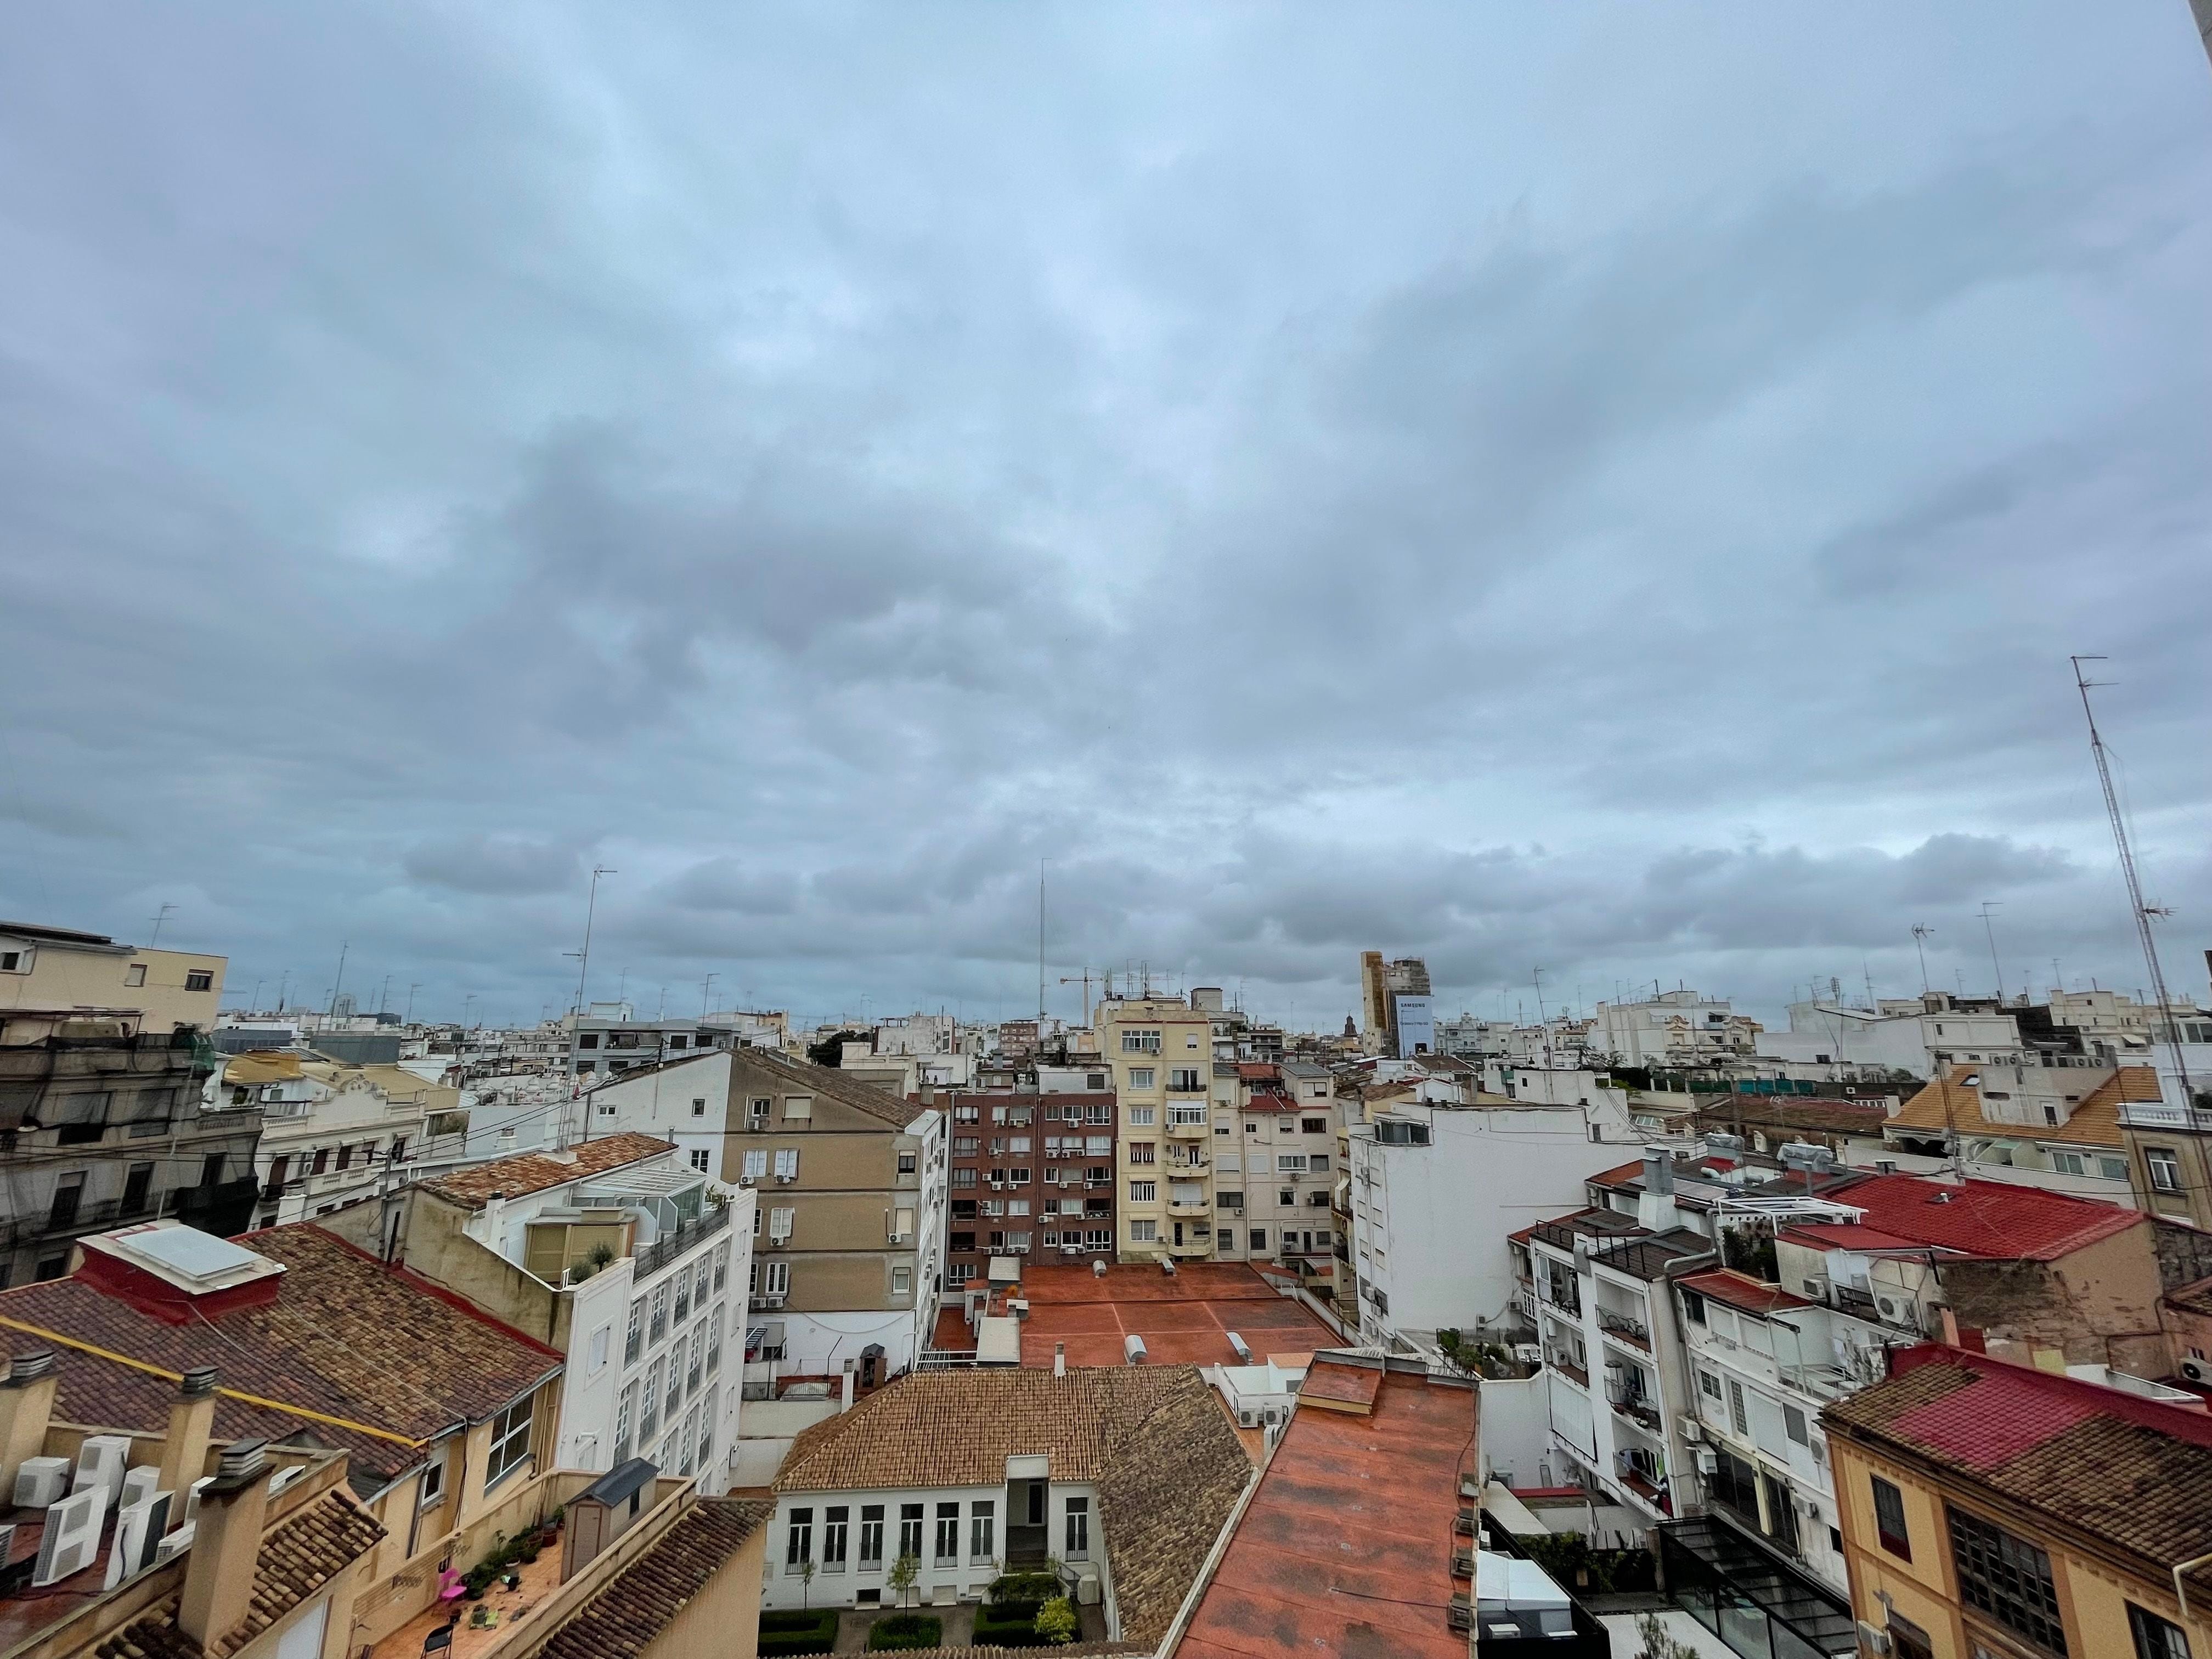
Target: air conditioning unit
x,y
1874,1640
100,1463
71,1543
1692,1432
175,1544
41,1481
2197,1370
1709,1462
785,1180
1247,1417
1888,1308
746,1180
140,1484
1071,1250
769,1301
285,1477
193,1497
1816,1290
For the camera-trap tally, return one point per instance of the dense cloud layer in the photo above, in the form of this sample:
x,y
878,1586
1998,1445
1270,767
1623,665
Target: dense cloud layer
x,y
1610,491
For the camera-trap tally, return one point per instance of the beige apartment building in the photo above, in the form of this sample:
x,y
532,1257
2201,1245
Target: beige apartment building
x,y
848,1236
1161,1050
58,968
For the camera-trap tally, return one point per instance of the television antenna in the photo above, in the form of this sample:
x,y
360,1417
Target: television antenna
x,y
2144,914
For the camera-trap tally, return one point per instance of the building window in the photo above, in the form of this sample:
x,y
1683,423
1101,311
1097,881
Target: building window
x,y
699,1159
649,1403
715,1324
135,974
948,1534
1140,1043
902,1280
2155,1638
137,1186
910,1530
1144,1151
2006,1578
982,1543
625,1421
1258,1238
660,1313
510,1443
1313,1125
1738,1420
1078,1536
779,1279
199,979
2112,1168
799,1537
1184,1080
1795,1426
721,1266
834,1521
871,1537
434,1478
1710,1386
1144,1192
68,1195
1693,1307
1144,1232
2164,1168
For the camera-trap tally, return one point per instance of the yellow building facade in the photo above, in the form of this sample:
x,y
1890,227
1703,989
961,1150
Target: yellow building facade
x,y
1161,1051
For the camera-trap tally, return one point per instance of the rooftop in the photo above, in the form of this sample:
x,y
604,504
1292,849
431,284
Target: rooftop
x,y
1154,1440
1955,1100
534,1172
2128,1470
1828,1116
1345,1548
1737,1290
1183,1320
298,1557
637,1603
828,1081
337,1333
1990,1220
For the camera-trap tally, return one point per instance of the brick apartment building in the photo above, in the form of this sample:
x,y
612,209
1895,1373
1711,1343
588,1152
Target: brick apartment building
x,y
1032,1176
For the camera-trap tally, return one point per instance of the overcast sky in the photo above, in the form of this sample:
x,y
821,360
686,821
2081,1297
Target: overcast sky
x,y
1607,488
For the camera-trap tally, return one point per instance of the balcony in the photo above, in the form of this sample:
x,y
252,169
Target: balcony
x,y
1624,1328
1567,1368
1188,1131
1525,1300
1195,1247
1636,1407
2157,1115
1652,1494
1188,1207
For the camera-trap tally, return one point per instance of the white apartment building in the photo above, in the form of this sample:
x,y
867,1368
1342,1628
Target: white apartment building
x,y
332,1133
1672,1028
630,1264
684,1101
1425,1187
1898,1036
1594,1286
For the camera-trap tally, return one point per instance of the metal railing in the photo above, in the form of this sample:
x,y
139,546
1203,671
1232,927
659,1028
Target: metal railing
x,y
1624,1326
664,1252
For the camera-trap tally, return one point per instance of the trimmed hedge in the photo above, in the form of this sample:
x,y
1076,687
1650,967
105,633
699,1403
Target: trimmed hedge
x,y
811,1631
1008,1625
1012,1587
906,1632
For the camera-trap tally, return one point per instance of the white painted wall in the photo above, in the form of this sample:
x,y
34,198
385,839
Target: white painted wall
x,y
967,1577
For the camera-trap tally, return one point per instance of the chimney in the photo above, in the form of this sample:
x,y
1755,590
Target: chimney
x,y
192,1422
1654,1206
845,1388
27,1404
1059,1360
226,1542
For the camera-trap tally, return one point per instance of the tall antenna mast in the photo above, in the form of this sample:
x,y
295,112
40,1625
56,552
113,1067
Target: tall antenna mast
x,y
1989,929
584,957
1920,936
2144,912
1040,949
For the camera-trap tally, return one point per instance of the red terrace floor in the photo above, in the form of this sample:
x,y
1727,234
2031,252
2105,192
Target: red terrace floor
x,y
1346,1548
1184,1319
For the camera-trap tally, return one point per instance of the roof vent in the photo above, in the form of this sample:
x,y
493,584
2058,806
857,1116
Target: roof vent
x,y
242,1459
199,1381
31,1364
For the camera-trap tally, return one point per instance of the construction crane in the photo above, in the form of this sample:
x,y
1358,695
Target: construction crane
x,y
1085,979
2145,914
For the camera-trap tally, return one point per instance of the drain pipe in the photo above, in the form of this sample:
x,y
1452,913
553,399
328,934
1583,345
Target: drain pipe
x,y
2180,1590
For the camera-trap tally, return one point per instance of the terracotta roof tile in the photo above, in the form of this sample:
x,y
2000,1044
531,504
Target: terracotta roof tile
x,y
828,1081
345,1336
1992,1220
298,1557
636,1604
1166,1461
2134,1472
534,1172
1739,1291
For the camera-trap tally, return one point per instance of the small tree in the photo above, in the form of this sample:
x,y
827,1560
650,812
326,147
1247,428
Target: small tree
x,y
1658,1644
901,1576
1056,1622
805,1580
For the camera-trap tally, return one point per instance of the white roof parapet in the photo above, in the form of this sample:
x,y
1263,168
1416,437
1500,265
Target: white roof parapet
x,y
1791,1209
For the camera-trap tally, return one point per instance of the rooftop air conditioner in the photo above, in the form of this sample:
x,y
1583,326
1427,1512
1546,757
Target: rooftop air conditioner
x,y
2197,1370
140,1484
41,1481
1247,1417
72,1536
1874,1640
1691,1433
285,1477
174,1545
100,1463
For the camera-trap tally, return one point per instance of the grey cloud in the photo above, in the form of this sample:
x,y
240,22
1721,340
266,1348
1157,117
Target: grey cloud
x,y
498,865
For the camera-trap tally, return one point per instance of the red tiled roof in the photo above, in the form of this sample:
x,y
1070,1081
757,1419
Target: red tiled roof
x,y
534,1172
1345,1548
1620,1175
2132,1472
1726,1285
1844,1235
345,1337
1992,1220
1258,1071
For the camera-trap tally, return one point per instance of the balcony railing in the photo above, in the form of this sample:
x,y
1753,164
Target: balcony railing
x,y
1859,1304
2157,1115
664,1252
1568,1369
1626,1327
1525,1300
1635,1407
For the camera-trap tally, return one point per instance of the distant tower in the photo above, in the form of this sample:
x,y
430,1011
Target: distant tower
x,y
1352,1028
